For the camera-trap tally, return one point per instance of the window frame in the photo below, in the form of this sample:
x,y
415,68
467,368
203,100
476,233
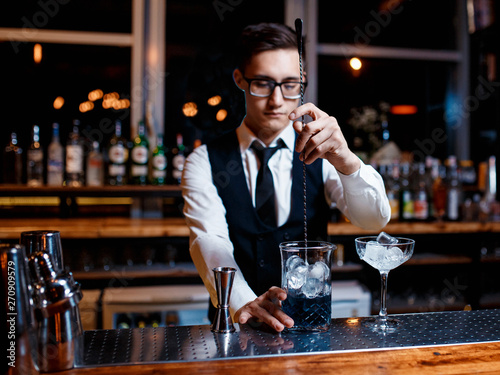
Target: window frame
x,y
458,127
147,65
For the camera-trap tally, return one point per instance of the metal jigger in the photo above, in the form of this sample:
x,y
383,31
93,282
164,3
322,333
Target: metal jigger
x,y
223,284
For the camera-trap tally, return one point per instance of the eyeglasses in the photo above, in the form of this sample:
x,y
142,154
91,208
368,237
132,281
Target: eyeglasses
x,y
265,87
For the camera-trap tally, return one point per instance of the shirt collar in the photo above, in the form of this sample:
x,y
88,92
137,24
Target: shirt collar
x,y
246,137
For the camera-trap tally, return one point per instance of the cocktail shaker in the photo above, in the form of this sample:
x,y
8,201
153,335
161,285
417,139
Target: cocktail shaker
x,y
60,333
48,241
224,277
17,312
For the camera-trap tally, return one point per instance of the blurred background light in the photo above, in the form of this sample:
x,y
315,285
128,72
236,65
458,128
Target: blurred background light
x,y
190,109
214,100
355,63
58,102
221,115
404,109
37,53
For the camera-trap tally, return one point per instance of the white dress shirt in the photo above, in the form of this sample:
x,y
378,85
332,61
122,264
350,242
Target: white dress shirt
x,y
360,197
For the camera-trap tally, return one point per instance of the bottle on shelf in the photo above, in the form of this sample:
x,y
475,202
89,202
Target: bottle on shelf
x,y
468,176
13,162
421,195
140,157
488,199
429,183
34,157
159,163
171,319
470,208
155,320
384,125
491,185
141,320
95,166
117,157
178,159
392,190
406,198
438,173
74,157
124,321
55,159
453,190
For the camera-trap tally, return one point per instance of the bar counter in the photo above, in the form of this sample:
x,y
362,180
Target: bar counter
x,y
463,342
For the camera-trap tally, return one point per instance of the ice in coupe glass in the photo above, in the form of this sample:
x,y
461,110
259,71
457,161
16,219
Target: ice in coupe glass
x,y
384,253
306,278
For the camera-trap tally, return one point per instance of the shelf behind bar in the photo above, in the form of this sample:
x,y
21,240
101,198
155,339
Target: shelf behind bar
x,y
90,191
124,227
158,271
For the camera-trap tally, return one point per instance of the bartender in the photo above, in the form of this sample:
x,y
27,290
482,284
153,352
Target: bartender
x,y
242,200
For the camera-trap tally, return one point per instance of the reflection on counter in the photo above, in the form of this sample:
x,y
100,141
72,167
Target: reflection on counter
x,y
198,343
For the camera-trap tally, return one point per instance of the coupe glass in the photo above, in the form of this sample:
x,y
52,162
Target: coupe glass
x,y
384,257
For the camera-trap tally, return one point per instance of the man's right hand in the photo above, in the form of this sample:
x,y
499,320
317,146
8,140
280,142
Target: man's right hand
x,y
266,309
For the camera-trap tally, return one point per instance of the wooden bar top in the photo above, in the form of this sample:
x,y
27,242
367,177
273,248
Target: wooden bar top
x,y
480,358
7,190
124,227
462,342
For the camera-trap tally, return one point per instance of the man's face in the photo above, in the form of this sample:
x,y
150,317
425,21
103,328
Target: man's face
x,y
267,117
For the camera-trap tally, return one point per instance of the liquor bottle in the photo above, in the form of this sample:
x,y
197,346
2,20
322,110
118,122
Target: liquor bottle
x,y
13,162
34,157
384,125
490,192
159,163
123,321
438,190
178,159
141,320
55,159
117,157
421,198
487,184
453,190
392,190
95,166
468,176
429,183
155,320
140,157
406,200
74,157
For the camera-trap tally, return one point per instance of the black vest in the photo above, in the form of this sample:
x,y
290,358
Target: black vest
x,y
256,245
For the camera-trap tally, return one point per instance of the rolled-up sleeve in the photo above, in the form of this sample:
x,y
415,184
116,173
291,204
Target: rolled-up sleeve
x,y
360,196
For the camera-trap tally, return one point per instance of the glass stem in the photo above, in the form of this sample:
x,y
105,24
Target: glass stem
x,y
383,295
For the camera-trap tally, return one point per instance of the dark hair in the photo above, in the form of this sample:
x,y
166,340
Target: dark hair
x,y
264,37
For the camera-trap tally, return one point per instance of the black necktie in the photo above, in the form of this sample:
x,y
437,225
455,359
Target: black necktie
x,y
264,190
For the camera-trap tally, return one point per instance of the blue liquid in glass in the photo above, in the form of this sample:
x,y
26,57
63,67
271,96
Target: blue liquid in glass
x,y
308,313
